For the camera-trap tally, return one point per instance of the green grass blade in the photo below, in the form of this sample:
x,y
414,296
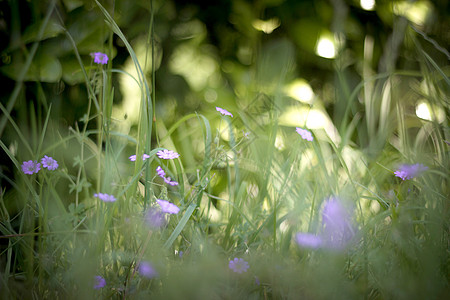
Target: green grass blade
x,y
181,224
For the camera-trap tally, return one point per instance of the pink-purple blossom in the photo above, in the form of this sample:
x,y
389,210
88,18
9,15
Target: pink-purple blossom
x,y
49,163
105,197
238,265
133,157
147,270
167,154
308,240
100,282
337,228
410,171
305,134
224,111
30,167
100,58
162,174
155,218
170,181
168,207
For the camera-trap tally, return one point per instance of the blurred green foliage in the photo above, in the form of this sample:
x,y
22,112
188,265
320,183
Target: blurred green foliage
x,y
226,49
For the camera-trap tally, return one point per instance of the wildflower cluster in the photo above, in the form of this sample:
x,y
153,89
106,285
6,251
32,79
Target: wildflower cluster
x,y
30,167
162,174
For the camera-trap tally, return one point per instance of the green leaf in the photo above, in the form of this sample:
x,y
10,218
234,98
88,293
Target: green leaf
x,y
44,68
180,226
31,33
72,4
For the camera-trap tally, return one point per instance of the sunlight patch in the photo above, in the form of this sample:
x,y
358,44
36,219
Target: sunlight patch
x,y
325,47
300,90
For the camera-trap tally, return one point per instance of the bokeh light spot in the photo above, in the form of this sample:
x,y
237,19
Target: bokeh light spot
x,y
325,47
367,4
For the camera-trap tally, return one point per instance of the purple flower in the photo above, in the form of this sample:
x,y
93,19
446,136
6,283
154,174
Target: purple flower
x,y
337,228
155,218
100,282
306,134
49,163
147,270
105,197
169,181
30,167
336,220
100,58
410,171
160,172
238,265
133,157
224,111
308,240
168,207
167,154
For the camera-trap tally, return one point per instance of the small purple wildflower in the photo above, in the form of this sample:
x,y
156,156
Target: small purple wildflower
x,y
168,207
155,218
224,111
105,197
133,157
337,228
49,163
160,172
167,154
308,240
30,167
169,181
410,171
238,265
305,134
100,282
147,270
100,58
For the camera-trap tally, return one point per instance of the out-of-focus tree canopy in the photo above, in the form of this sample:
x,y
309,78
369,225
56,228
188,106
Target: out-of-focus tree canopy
x,y
208,53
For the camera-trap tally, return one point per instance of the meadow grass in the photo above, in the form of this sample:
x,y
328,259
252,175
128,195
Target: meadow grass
x,y
265,212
